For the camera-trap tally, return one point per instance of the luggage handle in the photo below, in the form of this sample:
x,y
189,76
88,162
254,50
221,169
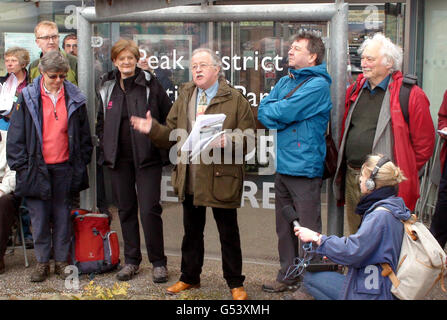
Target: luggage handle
x,y
97,233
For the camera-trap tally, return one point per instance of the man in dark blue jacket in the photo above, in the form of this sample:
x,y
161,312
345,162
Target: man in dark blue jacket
x,y
298,107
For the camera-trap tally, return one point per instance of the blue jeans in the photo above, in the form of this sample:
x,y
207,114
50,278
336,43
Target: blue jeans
x,y
325,285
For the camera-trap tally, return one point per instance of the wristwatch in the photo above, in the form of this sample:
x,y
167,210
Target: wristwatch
x,y
316,237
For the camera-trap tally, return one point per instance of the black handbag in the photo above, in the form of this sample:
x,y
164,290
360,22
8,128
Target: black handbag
x,y
330,162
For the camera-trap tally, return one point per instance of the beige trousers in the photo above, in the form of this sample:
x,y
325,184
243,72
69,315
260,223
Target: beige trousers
x,y
352,197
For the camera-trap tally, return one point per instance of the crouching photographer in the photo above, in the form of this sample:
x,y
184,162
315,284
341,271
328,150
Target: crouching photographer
x,y
378,240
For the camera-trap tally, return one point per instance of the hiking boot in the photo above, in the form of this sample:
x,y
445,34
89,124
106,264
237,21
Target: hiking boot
x,y
160,274
127,272
300,294
59,269
2,265
276,286
41,272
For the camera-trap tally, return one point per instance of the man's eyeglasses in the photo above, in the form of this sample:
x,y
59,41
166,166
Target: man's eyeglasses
x,y
47,38
195,67
54,76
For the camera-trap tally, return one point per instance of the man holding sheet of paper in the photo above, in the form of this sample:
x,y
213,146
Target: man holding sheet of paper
x,y
213,122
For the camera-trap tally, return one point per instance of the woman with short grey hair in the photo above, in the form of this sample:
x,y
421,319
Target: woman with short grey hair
x,y
53,61
49,146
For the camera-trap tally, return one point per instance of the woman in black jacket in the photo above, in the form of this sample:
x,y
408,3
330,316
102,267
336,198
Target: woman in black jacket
x,y
131,157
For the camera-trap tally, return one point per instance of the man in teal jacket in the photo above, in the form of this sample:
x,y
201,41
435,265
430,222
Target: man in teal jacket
x,y
300,118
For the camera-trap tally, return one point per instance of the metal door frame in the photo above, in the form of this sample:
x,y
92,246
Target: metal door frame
x,y
336,14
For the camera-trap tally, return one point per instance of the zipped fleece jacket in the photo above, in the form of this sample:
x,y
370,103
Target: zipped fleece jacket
x,y
413,143
378,240
217,185
146,93
24,143
300,120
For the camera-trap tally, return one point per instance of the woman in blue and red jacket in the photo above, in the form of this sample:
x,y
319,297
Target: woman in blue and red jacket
x,y
49,146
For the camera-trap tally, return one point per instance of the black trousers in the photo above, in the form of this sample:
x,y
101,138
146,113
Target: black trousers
x,y
438,225
125,177
304,195
9,210
194,219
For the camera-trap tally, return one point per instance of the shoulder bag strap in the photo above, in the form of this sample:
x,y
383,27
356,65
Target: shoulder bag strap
x,y
387,271
297,87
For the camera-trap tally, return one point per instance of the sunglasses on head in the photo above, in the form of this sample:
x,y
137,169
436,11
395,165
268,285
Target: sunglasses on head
x,y
54,76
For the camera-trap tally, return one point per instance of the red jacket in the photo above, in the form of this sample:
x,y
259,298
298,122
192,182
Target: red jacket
x,y
442,123
413,143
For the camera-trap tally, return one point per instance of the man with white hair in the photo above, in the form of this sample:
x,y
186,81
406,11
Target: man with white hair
x,y
373,122
215,184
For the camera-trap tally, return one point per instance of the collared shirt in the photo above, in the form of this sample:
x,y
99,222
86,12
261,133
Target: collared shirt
x,y
52,97
210,92
382,85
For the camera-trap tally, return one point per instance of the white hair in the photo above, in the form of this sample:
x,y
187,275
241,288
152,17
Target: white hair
x,y
391,52
214,58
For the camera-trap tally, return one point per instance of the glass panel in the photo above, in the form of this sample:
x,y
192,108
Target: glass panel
x,y
255,57
254,54
435,54
168,48
365,20
18,19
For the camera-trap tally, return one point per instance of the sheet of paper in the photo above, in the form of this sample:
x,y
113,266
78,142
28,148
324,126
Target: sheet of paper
x,y
204,143
8,94
206,126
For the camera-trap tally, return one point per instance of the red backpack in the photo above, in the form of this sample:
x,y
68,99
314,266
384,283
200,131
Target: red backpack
x,y
95,249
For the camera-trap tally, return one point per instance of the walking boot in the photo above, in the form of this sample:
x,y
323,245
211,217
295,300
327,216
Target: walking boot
x,y
160,274
41,272
59,269
127,272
